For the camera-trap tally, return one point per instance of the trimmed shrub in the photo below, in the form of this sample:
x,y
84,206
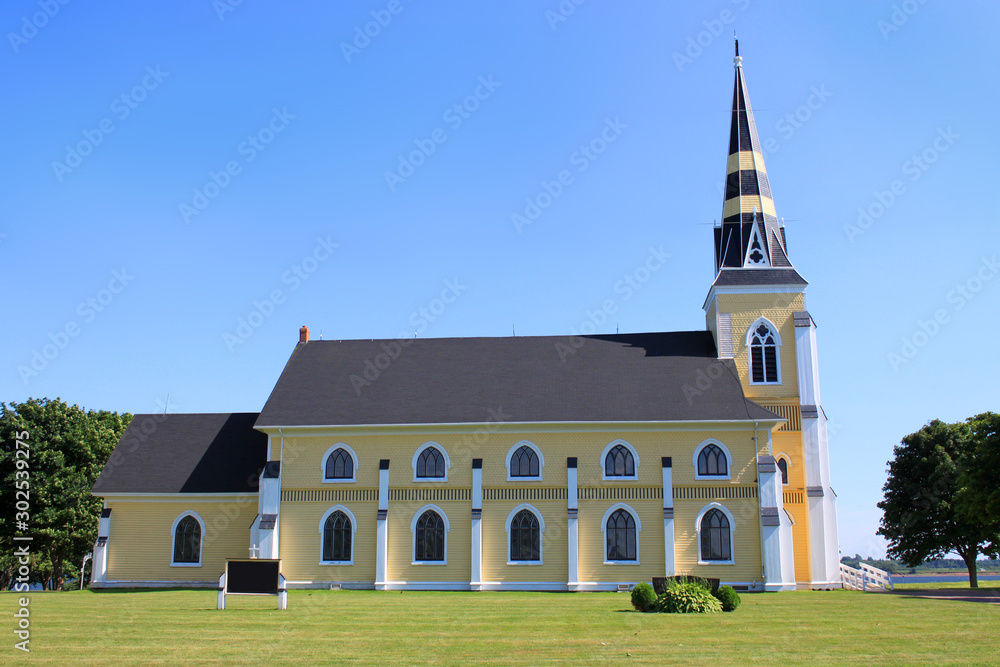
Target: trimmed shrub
x,y
643,597
687,598
729,598
660,584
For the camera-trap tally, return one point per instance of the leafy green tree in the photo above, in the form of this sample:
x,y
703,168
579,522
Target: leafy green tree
x,y
979,496
919,513
66,449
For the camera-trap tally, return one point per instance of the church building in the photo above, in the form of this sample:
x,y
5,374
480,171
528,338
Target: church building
x,y
577,463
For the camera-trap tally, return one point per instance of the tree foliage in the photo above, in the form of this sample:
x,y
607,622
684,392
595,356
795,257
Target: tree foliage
x,y
67,448
921,514
979,496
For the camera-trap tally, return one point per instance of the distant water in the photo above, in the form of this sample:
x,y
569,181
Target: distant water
x,y
940,579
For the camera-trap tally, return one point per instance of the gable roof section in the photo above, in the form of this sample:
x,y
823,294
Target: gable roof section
x,y
614,378
186,453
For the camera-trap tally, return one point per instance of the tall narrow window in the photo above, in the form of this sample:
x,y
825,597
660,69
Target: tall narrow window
x,y
620,535
716,542
713,461
187,541
337,537
619,462
783,467
340,465
763,354
524,462
525,538
429,537
430,463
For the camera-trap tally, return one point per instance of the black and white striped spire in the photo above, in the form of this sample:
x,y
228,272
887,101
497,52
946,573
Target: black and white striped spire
x,y
750,236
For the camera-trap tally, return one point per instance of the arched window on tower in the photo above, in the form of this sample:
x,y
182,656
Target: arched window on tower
x,y
763,341
783,467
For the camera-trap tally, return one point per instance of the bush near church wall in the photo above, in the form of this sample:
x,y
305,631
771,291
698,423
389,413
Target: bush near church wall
x,y
660,584
689,597
643,597
729,598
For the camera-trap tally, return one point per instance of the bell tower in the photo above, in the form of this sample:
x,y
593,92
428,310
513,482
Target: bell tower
x,y
756,311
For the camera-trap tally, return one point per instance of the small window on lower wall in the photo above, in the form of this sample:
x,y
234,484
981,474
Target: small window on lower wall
x,y
337,528
715,535
187,531
621,535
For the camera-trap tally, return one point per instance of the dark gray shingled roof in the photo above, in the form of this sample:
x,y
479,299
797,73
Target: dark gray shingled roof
x,y
627,377
754,277
186,453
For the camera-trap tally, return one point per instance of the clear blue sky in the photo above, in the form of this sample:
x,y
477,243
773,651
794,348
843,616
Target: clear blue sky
x,y
139,105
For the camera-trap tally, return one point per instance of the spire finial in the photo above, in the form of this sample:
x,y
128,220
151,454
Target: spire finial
x,y
738,61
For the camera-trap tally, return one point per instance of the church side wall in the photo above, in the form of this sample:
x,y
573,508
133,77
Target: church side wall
x,y
306,497
140,548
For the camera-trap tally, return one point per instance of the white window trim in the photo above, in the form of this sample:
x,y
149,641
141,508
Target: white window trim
x,y
413,536
788,464
322,465
635,462
541,534
354,532
604,534
732,534
541,462
725,450
777,349
173,538
416,457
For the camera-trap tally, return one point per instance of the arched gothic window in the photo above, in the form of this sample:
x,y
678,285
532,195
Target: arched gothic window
x,y
337,537
187,541
713,461
716,538
524,462
620,535
619,462
340,465
430,463
429,537
763,354
525,537
783,467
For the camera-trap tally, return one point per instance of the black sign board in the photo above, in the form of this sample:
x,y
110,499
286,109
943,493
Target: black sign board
x,y
257,576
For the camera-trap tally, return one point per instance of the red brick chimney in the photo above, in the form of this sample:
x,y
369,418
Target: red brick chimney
x,y
304,334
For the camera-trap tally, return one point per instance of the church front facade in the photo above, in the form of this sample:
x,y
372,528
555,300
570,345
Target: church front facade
x,y
522,463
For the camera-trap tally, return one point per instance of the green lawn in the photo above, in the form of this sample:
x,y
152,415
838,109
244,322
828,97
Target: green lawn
x,y
392,628
964,583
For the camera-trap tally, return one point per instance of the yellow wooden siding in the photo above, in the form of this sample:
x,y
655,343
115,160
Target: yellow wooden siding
x,y
300,544
302,471
140,547
778,308
554,543
303,458
592,545
458,544
789,443
800,540
746,540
